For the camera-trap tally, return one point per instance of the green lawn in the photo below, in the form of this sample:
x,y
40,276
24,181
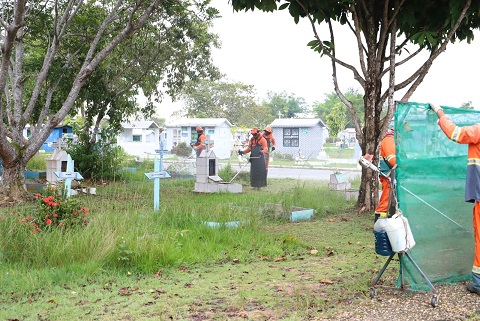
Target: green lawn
x,y
133,263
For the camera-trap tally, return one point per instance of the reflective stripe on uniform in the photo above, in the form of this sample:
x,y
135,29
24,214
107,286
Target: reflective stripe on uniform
x,y
455,134
389,157
476,269
473,161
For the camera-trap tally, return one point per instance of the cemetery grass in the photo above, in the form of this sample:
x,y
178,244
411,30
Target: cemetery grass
x,y
133,263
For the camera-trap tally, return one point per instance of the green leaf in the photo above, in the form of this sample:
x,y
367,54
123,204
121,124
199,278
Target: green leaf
x,y
431,38
421,39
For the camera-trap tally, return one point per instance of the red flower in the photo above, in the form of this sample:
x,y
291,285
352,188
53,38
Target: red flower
x,y
53,207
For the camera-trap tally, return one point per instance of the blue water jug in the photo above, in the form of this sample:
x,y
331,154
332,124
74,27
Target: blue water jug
x,y
382,243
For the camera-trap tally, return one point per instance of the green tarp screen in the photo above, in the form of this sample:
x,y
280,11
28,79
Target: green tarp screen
x,y
431,193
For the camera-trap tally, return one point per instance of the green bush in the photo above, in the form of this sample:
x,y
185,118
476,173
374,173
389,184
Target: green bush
x,y
54,210
283,156
182,150
99,161
226,173
38,162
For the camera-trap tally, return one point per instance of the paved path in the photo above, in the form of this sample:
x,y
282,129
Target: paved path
x,y
299,172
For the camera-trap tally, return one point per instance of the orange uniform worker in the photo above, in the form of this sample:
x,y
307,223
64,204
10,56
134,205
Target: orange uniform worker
x,y
199,145
257,147
468,135
387,161
268,135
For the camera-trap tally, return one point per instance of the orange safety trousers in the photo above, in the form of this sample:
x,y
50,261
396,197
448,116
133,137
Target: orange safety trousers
x,y
383,202
476,233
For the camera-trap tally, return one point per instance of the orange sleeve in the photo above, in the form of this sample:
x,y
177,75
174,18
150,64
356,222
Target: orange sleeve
x,y
201,140
264,144
248,149
458,134
388,150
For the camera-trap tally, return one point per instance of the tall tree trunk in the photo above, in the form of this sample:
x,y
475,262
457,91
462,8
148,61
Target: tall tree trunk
x,y
13,182
372,131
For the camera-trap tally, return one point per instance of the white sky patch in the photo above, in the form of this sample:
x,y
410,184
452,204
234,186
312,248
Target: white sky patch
x,y
270,52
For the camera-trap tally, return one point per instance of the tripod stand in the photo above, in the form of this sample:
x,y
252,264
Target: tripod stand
x,y
403,256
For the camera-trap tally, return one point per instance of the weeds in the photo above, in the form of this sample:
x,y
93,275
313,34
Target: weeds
x,y
148,256
124,253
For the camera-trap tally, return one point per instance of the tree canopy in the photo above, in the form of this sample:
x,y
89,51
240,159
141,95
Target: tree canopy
x,y
222,99
389,35
169,51
52,49
334,112
285,105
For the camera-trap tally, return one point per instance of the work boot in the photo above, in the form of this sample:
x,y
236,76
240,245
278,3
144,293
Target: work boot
x,y
472,289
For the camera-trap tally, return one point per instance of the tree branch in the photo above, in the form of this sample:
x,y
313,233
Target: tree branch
x,y
428,64
325,51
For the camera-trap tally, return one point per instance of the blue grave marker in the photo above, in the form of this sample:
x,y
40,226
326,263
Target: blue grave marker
x,y
156,175
68,175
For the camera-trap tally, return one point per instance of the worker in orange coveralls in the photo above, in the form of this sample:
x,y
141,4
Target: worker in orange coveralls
x,y
257,147
387,162
199,145
468,135
268,135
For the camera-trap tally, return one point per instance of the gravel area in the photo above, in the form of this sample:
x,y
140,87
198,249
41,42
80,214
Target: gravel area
x,y
454,303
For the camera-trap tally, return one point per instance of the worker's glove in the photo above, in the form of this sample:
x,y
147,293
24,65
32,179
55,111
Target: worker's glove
x,y
240,152
273,148
435,107
368,157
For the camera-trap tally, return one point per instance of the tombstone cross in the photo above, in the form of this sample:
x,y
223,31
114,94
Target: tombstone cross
x,y
156,175
68,175
208,143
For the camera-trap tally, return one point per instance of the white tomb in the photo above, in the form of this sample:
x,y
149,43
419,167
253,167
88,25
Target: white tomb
x,y
208,180
57,162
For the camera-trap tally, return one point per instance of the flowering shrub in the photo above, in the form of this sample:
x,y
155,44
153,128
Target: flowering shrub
x,y
55,210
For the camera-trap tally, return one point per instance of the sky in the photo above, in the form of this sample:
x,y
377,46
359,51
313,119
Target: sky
x,y
270,52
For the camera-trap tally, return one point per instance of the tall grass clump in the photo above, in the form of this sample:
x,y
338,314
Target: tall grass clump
x,y
100,160
124,233
38,162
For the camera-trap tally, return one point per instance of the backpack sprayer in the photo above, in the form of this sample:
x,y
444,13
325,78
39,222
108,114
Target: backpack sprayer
x,y
399,234
366,163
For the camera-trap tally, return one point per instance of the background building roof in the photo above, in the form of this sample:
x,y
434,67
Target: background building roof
x,y
193,122
297,122
140,124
